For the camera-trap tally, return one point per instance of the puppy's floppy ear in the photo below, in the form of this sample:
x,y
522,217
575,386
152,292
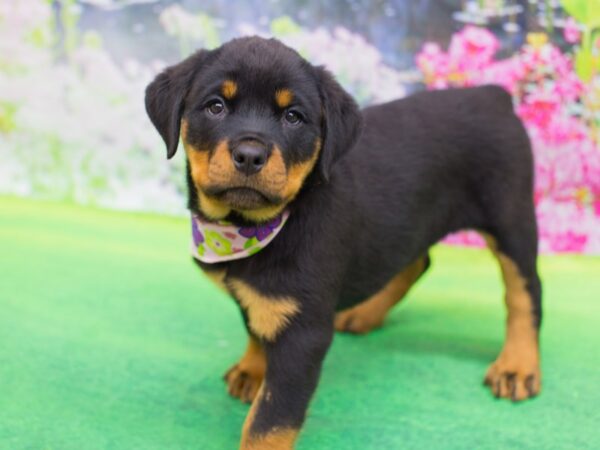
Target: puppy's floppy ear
x,y
342,121
165,98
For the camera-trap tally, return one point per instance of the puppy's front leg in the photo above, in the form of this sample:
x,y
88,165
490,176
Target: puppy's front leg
x,y
294,364
295,335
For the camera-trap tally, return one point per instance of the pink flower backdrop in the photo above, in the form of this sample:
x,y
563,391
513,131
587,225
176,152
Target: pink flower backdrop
x,y
557,95
73,72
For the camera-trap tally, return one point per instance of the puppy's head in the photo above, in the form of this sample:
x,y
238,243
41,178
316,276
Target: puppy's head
x,y
255,120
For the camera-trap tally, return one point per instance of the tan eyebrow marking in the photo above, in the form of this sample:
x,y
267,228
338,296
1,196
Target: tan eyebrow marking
x,y
229,89
283,97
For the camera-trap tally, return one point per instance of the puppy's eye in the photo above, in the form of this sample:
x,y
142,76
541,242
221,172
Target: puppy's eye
x,y
292,117
215,108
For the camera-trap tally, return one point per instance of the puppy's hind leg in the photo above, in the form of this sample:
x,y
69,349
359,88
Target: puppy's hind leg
x,y
370,314
516,372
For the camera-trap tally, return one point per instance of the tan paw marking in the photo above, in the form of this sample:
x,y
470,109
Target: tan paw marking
x,y
278,438
515,379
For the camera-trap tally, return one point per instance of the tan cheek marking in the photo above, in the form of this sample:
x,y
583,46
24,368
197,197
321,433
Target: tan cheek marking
x,y
267,316
198,165
204,170
283,97
274,178
229,89
184,129
221,168
273,174
197,158
287,190
298,173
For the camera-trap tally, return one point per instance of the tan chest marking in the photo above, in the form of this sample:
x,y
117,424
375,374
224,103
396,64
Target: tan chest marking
x,y
267,316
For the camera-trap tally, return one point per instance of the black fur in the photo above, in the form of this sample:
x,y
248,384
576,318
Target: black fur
x,y
165,98
424,166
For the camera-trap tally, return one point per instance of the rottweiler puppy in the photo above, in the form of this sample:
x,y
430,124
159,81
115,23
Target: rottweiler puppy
x,y
317,216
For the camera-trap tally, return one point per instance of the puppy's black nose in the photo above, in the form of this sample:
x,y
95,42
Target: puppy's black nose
x,y
249,158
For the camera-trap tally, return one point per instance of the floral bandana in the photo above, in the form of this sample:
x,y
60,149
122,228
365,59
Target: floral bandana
x,y
214,242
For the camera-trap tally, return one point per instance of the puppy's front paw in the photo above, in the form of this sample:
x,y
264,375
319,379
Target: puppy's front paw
x,y
243,383
514,378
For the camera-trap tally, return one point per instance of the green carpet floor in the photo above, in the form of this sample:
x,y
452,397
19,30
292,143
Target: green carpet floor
x,y
110,338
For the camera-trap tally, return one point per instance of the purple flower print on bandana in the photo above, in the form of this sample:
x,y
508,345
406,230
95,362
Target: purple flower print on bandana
x,y
196,234
260,232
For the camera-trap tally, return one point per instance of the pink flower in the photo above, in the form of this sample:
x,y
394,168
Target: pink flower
x,y
433,62
569,87
572,32
569,241
470,238
591,169
431,58
545,178
545,60
538,109
507,73
473,48
440,83
564,129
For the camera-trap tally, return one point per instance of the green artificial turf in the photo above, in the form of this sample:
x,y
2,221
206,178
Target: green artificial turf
x,y
110,338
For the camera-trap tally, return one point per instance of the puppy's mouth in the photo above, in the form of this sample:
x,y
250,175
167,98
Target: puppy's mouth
x,y
243,198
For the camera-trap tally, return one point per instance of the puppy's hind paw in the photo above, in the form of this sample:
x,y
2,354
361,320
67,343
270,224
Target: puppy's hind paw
x,y
355,321
513,381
